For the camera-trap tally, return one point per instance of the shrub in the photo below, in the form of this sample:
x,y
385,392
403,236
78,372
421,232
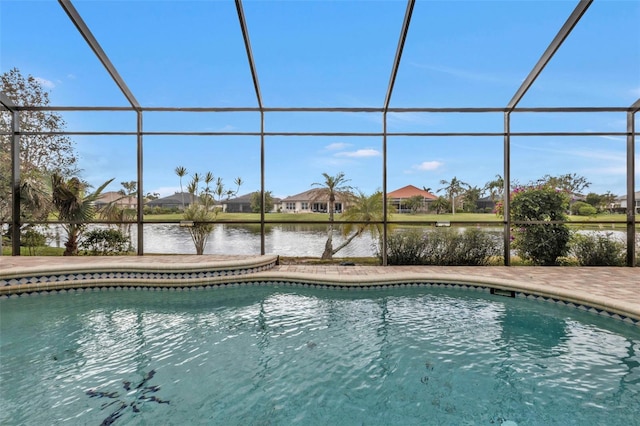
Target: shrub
x,y
441,246
587,210
32,238
541,243
598,250
575,207
405,248
104,242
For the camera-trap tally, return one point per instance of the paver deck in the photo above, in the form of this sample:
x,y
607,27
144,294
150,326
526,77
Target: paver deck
x,y
616,289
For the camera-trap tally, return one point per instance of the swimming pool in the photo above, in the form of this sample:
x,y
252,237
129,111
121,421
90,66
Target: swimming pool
x,y
287,355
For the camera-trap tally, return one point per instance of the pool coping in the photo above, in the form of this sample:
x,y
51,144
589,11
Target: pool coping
x,y
614,294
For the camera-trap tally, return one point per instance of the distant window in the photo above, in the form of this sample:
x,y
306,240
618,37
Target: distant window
x,y
291,206
305,205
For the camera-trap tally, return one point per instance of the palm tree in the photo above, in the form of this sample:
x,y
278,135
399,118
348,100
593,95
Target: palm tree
x,y
115,212
495,188
203,210
364,209
332,188
35,201
181,172
453,188
440,204
74,207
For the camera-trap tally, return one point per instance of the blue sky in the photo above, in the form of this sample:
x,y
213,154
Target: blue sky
x,y
335,54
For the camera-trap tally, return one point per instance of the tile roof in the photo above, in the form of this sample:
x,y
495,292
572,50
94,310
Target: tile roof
x,y
410,191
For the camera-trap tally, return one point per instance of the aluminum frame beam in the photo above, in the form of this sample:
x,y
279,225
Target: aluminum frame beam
x,y
631,200
396,62
392,80
256,86
7,103
15,173
553,47
247,46
97,50
15,183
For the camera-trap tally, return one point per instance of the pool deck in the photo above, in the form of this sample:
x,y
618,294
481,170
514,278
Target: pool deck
x,y
613,289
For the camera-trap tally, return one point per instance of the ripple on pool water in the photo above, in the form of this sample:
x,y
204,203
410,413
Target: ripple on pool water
x,y
302,356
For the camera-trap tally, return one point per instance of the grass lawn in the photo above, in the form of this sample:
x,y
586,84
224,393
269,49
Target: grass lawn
x,y
38,251
305,217
617,219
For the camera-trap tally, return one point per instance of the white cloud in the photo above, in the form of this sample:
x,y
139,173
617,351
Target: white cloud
x,y
71,76
428,166
337,146
359,153
45,83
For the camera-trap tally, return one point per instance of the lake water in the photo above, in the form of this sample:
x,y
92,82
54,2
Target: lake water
x,y
285,240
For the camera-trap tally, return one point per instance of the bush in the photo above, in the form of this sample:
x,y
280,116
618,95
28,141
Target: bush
x,y
160,210
587,210
442,246
104,242
405,248
575,207
598,250
32,239
540,243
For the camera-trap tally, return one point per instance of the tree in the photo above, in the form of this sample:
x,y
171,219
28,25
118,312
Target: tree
x,y
495,188
601,201
332,188
116,212
608,200
129,188
453,188
414,203
181,172
542,243
440,205
471,197
256,202
40,155
150,196
594,199
205,207
74,206
364,209
570,182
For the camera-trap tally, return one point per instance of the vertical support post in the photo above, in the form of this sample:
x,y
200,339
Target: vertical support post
x,y
262,193
140,206
15,184
631,201
506,199
385,211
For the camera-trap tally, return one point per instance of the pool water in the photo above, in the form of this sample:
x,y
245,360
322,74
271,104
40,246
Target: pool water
x,y
288,355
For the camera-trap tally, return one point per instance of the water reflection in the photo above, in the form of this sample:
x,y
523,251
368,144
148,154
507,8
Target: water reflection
x,y
283,239
290,239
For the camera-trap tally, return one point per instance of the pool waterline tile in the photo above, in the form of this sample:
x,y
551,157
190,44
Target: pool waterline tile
x,y
614,290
